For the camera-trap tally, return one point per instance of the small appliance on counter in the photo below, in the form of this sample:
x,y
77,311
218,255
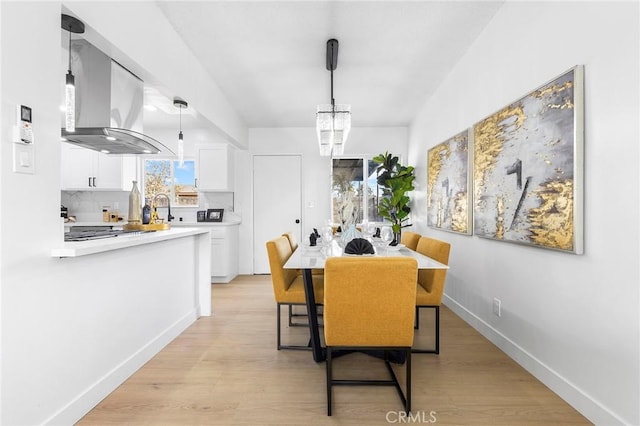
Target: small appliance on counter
x,y
210,215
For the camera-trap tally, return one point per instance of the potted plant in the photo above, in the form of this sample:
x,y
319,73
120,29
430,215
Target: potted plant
x,y
396,181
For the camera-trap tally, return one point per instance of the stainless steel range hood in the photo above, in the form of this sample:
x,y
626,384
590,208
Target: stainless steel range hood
x,y
109,104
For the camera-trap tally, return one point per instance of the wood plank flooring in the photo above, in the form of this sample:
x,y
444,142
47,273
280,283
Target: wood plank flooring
x,y
225,370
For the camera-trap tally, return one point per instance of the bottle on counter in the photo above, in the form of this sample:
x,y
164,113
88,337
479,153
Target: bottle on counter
x,y
134,204
105,215
146,212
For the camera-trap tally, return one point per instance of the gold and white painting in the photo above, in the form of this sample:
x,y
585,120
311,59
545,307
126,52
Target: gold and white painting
x,y
528,168
448,201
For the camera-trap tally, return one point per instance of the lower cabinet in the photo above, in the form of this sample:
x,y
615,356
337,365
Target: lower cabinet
x,y
224,253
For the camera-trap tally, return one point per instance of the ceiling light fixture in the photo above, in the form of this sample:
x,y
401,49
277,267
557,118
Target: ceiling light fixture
x,y
333,122
180,103
72,25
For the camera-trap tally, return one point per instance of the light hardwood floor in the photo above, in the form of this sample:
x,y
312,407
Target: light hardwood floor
x,y
225,370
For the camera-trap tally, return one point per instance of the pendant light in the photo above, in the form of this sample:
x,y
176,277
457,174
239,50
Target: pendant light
x,y
333,122
72,25
180,103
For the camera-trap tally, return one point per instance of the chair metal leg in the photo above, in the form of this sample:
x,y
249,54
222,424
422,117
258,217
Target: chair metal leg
x,y
405,395
278,326
329,381
437,332
417,324
305,315
407,408
279,337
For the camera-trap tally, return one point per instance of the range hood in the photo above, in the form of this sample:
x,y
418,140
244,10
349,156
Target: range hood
x,y
109,104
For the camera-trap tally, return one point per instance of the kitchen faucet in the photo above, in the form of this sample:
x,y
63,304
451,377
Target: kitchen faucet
x,y
153,203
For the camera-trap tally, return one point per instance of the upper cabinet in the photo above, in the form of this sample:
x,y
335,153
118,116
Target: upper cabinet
x,y
215,168
87,170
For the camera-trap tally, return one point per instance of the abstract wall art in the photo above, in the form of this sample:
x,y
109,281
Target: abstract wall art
x,y
528,168
448,185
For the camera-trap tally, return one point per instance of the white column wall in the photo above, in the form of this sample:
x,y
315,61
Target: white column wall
x,y
71,330
571,320
316,175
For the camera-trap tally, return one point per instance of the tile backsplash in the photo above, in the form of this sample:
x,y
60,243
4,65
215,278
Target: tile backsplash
x,y
87,206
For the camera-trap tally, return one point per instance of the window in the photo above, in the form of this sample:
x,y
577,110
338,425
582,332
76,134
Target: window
x,y
354,190
167,177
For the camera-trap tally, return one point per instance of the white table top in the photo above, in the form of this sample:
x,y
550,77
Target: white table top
x,y
314,257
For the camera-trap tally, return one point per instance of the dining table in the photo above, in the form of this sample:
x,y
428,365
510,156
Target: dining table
x,y
307,258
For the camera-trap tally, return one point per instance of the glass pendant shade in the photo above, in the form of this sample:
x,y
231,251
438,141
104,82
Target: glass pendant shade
x,y
180,149
333,124
70,103
324,129
180,103
72,25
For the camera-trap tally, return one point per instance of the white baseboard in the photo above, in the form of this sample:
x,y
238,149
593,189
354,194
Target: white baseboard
x,y
583,403
88,399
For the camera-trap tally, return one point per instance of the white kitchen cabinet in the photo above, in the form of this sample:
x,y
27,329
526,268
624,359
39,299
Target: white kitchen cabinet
x,y
224,253
85,169
224,248
215,168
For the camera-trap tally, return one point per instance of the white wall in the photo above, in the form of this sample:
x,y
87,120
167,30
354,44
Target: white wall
x,y
316,176
571,320
68,336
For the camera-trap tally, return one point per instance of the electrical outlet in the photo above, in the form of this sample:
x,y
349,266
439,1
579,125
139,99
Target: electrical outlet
x,y
497,306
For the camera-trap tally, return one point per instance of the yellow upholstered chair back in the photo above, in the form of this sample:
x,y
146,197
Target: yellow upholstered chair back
x,y
279,251
293,241
369,301
433,280
410,239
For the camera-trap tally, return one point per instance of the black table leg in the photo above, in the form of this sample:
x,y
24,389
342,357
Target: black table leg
x,y
319,354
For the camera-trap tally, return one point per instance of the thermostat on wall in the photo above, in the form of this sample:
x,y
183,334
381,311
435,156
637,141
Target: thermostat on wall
x,y
23,131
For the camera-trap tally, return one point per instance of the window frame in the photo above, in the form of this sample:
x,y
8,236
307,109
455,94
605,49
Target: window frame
x,y
162,202
365,188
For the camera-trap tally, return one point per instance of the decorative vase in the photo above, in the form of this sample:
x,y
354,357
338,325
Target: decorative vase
x,y
349,234
134,204
397,237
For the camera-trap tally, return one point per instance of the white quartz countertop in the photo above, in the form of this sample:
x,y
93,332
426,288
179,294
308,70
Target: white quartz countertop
x,y
225,223
174,223
83,248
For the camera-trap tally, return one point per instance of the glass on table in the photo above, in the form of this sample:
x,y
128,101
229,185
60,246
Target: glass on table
x,y
386,235
368,229
327,235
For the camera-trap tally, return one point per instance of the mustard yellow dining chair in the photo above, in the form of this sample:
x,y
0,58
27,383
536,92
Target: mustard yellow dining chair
x,y
288,284
410,240
293,241
369,306
431,284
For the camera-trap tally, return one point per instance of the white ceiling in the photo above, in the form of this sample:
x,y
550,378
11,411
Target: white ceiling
x,y
269,57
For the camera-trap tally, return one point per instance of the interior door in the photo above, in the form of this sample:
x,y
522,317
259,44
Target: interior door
x,y
277,202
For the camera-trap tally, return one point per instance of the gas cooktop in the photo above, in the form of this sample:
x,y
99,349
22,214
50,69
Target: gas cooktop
x,y
85,235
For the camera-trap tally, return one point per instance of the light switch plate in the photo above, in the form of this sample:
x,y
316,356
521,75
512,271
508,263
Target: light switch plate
x,y
23,158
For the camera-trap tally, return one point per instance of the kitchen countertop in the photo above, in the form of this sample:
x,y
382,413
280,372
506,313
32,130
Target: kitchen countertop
x,y
225,223
83,248
174,223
